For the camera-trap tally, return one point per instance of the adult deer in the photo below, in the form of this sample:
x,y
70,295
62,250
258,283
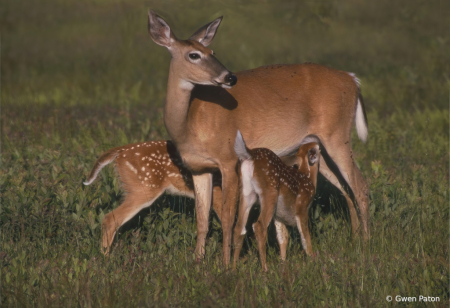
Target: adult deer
x,y
275,107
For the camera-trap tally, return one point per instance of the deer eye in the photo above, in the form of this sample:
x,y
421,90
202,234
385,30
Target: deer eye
x,y
194,56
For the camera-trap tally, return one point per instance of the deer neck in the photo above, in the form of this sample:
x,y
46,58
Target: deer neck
x,y
310,172
177,105
314,172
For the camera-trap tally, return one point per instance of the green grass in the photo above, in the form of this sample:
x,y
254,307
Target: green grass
x,y
79,77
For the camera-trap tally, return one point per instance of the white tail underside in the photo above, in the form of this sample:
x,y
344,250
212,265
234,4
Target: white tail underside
x,y
239,147
361,125
100,167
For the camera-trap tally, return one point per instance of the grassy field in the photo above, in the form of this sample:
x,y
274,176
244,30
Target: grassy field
x,y
79,77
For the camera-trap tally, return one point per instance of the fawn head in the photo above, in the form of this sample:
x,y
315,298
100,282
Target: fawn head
x,y
308,155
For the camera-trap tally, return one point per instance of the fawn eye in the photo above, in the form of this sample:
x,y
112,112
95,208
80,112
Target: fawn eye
x,y
194,56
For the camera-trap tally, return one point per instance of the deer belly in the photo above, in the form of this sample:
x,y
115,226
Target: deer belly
x,y
176,191
284,212
197,163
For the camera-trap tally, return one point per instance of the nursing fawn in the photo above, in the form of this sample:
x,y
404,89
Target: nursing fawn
x,y
284,193
146,171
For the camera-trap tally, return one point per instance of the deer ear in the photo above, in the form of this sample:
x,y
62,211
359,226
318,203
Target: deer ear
x,y
159,30
313,155
205,34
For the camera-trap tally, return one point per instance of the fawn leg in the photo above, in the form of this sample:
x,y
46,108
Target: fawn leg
x,y
268,200
282,238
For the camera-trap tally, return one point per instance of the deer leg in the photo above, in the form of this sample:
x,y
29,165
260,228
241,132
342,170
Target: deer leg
x,y
360,190
203,194
268,200
230,191
343,157
217,202
245,204
301,219
326,172
116,218
282,238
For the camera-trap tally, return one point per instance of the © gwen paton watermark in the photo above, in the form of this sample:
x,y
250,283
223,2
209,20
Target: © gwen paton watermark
x,y
409,299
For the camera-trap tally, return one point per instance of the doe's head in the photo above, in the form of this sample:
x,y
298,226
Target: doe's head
x,y
192,60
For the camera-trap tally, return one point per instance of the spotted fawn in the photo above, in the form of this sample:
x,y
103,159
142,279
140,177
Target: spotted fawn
x,y
146,171
285,194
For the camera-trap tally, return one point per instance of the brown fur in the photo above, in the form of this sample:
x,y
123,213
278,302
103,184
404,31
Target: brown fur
x,y
146,171
166,175
271,181
275,107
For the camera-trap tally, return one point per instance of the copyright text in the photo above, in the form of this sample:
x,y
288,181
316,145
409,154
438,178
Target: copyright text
x,y
407,299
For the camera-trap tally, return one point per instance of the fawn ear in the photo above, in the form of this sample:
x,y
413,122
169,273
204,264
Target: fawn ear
x,y
159,30
291,160
205,34
313,155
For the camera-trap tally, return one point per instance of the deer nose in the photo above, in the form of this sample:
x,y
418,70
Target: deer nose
x,y
231,79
